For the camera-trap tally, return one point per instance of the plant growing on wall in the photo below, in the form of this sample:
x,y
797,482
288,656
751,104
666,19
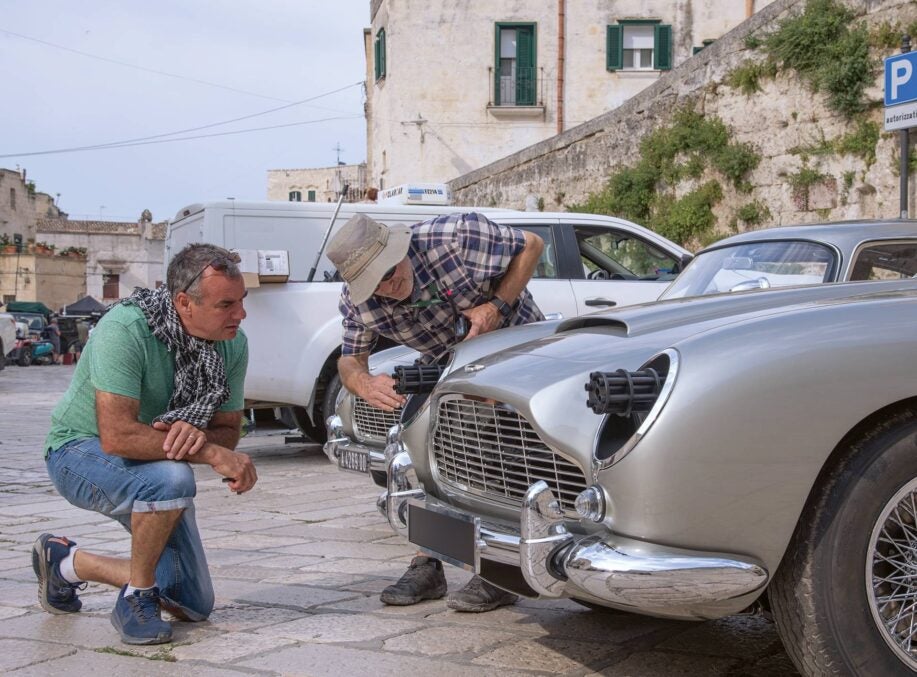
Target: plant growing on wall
x,y
689,147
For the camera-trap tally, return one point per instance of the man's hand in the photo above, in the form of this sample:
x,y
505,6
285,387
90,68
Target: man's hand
x,y
379,392
182,439
235,466
483,318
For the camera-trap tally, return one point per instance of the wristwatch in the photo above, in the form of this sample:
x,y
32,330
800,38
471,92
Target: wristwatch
x,y
503,307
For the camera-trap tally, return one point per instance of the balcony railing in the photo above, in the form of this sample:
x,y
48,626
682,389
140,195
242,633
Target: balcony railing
x,y
525,87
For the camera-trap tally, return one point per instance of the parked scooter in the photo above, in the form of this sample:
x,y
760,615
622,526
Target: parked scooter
x,y
30,350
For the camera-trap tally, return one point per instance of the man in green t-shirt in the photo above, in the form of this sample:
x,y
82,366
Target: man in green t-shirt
x,y
159,386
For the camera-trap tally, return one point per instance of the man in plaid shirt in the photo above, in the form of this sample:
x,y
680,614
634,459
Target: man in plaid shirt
x,y
419,286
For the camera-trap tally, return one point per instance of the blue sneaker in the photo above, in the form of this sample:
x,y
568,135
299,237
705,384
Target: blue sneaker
x,y
55,594
137,617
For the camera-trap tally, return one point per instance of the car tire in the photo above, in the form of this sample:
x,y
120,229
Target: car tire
x,y
827,594
25,357
329,398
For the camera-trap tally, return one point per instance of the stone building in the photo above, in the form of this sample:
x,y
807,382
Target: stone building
x,y
321,184
46,276
813,163
119,255
454,86
21,205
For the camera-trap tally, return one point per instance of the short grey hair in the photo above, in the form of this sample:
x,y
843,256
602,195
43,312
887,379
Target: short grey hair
x,y
187,267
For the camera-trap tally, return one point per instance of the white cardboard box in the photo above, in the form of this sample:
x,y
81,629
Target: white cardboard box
x,y
248,265
273,265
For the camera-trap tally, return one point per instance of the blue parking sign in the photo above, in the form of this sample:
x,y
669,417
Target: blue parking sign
x,y
900,79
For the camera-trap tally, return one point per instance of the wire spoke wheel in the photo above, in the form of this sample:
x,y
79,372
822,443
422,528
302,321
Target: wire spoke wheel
x,y
891,574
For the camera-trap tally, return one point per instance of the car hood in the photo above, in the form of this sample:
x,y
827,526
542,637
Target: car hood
x,y
544,379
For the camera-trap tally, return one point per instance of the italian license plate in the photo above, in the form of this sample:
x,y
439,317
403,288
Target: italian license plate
x,y
352,459
448,535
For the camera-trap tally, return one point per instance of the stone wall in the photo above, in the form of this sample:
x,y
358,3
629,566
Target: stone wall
x,y
784,116
56,281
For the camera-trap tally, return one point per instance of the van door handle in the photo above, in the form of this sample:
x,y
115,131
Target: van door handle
x,y
554,316
600,302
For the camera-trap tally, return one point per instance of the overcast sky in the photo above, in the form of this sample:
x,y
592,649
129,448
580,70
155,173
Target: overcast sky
x,y
94,84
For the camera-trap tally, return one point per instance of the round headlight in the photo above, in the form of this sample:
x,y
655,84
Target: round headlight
x,y
590,504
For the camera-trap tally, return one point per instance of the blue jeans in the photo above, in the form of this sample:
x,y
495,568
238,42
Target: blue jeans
x,y
117,487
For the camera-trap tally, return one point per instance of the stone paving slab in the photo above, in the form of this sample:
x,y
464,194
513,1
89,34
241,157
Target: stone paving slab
x,y
297,565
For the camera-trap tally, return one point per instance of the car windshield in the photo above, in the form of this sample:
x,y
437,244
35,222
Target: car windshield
x,y
35,322
754,265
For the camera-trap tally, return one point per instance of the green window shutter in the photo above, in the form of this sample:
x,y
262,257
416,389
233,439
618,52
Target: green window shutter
x,y
662,48
614,48
311,196
525,66
379,54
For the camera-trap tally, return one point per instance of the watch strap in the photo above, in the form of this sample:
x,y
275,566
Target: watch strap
x,y
503,307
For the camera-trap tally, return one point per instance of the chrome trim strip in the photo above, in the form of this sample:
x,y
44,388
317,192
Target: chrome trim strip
x,y
627,447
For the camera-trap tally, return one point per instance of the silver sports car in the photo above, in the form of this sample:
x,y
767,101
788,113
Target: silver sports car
x,y
684,459
761,259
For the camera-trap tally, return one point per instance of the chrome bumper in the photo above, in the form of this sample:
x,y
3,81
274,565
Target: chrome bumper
x,y
339,444
610,569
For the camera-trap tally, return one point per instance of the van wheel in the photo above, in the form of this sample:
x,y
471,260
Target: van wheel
x,y
25,357
844,595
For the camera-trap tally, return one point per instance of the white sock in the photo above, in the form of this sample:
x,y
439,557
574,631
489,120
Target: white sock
x,y
67,570
129,589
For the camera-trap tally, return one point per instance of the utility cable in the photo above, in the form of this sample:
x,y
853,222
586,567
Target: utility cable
x,y
139,140
182,138
141,68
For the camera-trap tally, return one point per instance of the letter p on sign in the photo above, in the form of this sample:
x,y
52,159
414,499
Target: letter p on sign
x,y
901,73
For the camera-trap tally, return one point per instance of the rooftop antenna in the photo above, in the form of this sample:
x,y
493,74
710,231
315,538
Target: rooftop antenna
x,y
338,149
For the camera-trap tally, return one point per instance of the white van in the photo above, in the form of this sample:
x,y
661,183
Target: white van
x,y
294,327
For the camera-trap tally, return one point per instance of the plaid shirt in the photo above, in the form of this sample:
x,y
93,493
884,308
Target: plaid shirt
x,y
461,257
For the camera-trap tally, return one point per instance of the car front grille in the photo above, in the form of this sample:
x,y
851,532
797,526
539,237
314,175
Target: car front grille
x,y
492,451
371,424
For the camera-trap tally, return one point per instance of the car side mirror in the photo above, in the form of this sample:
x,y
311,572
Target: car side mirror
x,y
683,262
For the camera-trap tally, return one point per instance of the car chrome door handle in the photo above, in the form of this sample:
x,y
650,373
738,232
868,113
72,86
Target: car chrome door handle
x,y
554,316
600,302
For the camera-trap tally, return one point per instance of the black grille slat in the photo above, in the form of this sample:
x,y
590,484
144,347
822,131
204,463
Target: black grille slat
x,y
494,451
371,424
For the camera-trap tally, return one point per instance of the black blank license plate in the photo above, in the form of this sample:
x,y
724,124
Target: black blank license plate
x,y
349,459
448,535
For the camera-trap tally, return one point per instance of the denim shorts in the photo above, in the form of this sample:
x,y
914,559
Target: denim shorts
x,y
118,487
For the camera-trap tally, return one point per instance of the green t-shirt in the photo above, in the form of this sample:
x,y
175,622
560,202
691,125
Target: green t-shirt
x,y
123,357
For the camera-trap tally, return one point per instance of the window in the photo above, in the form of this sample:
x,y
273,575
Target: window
x,y
546,268
637,45
311,196
516,69
111,286
295,196
885,261
379,54
620,256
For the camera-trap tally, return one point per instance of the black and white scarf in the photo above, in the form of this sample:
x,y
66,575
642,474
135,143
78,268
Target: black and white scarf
x,y
200,379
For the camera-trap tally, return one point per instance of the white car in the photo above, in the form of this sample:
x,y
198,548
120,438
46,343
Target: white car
x,y
7,336
589,263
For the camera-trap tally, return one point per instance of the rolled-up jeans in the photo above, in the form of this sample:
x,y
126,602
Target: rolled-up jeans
x,y
118,487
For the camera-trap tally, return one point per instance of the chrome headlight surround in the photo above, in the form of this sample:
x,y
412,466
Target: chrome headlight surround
x,y
599,464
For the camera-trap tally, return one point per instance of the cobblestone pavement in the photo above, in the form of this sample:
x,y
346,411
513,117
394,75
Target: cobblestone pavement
x,y
298,564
